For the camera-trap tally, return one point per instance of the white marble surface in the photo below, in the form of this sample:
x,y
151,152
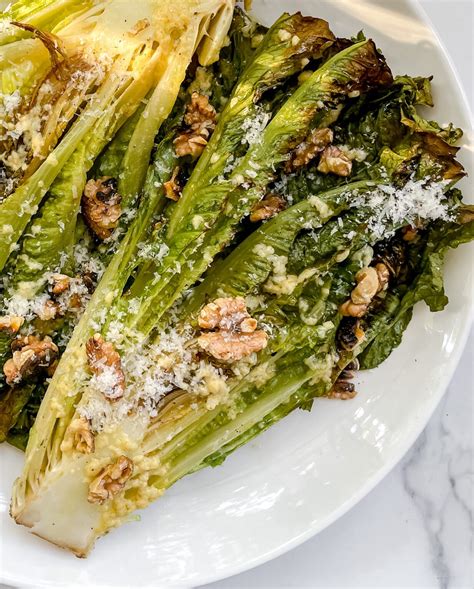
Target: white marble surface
x,y
415,529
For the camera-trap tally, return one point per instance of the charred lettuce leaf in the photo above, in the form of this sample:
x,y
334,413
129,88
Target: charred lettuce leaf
x,y
385,133
428,286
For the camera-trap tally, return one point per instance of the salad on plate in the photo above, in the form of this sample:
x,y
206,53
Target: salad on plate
x,y
205,225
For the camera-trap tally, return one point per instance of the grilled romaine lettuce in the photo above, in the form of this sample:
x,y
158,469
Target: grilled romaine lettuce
x,y
209,325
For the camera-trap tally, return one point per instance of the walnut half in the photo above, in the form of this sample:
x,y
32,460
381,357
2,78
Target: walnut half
x,y
237,334
225,313
229,347
315,143
367,286
110,481
200,113
334,161
370,281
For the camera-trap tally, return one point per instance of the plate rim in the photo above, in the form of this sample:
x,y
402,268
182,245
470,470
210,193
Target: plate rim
x,y
16,582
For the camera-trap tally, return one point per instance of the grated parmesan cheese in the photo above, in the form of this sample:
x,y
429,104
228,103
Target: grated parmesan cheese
x,y
153,251
253,127
85,260
151,372
416,201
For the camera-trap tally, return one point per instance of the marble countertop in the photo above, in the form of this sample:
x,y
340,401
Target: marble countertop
x,y
415,529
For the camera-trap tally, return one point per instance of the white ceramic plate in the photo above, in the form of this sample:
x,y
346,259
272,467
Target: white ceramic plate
x,y
311,468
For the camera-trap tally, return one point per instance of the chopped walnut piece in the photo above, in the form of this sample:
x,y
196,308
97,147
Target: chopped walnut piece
x,y
75,301
351,309
172,187
409,233
103,358
237,336
200,120
11,323
231,346
383,274
334,161
315,143
30,354
200,113
12,367
82,437
110,481
101,206
268,207
50,310
67,293
367,286
370,281
59,283
248,325
224,313
23,340
189,144
342,390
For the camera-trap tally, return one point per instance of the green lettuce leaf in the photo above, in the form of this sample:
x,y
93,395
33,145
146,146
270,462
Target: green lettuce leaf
x,y
384,344
12,403
50,234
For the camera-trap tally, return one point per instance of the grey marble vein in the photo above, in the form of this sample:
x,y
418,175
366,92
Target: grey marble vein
x,y
432,514
447,446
